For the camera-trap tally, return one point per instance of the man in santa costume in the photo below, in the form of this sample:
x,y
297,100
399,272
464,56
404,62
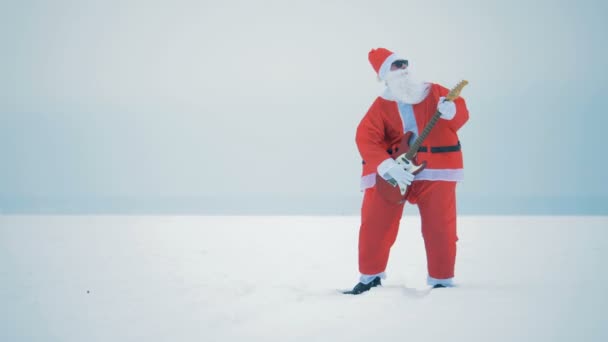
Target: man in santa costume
x,y
407,105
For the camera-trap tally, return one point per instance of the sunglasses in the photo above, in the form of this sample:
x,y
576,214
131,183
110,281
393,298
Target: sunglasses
x,y
400,63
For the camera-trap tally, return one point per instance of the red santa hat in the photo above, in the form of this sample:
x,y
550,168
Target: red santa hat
x,y
381,60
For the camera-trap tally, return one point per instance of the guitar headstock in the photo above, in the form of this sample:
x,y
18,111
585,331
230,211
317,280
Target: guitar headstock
x,y
455,92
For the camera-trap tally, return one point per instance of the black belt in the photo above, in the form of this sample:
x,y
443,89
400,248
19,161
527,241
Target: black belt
x,y
434,149
441,149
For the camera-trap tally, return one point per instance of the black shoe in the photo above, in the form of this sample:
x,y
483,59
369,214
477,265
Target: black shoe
x,y
439,286
360,288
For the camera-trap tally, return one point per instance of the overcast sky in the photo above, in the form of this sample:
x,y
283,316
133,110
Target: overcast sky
x,y
260,99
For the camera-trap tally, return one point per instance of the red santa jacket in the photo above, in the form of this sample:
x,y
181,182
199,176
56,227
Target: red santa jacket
x,y
387,120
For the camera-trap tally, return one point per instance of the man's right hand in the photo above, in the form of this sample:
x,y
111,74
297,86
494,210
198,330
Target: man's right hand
x,y
400,175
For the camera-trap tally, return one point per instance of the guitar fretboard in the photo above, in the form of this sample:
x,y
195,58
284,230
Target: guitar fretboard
x,y
427,129
453,94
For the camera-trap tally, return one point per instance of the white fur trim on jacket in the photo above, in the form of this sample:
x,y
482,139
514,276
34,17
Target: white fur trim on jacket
x,y
456,175
449,175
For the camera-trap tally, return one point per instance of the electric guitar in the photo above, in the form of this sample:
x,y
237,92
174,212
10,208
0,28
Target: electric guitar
x,y
404,154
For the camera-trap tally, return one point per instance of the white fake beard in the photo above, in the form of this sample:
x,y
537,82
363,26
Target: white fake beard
x,y
405,88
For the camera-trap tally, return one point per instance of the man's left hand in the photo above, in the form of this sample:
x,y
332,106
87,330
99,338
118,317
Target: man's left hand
x,y
446,108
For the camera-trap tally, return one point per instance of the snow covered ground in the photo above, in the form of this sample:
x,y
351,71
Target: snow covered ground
x,y
161,278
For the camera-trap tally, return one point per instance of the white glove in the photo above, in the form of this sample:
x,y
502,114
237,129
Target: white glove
x,y
399,174
446,108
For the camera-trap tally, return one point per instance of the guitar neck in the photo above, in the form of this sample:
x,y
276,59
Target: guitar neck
x,y
453,94
427,129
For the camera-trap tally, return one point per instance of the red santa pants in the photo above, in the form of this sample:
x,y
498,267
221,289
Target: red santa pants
x,y
436,201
